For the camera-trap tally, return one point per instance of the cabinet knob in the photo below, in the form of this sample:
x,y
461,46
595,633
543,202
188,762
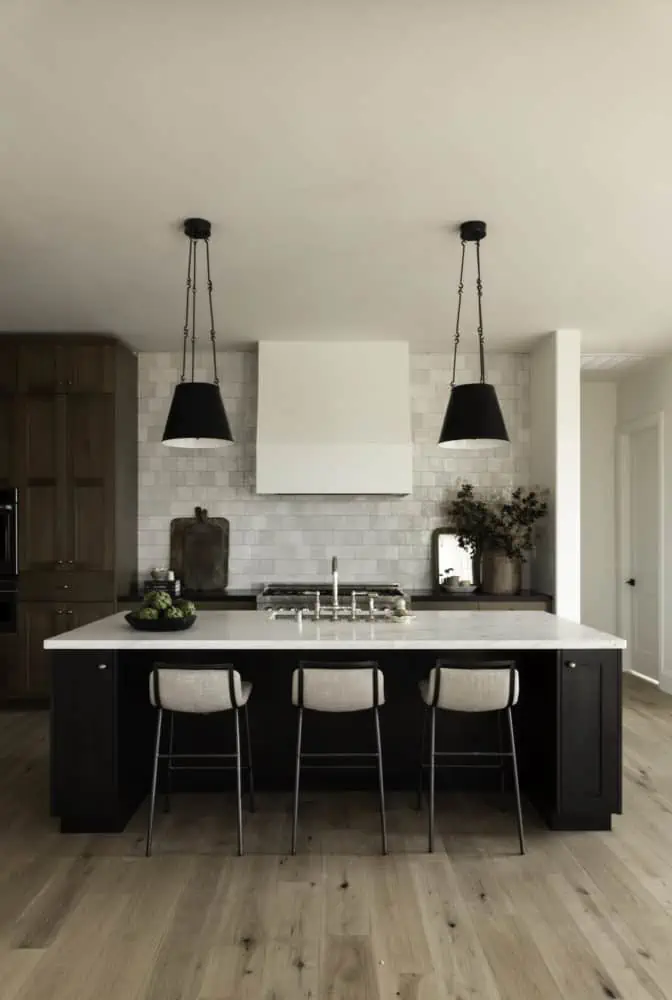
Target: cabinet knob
x,y
64,586
70,612
102,666
71,562
571,664
59,562
60,611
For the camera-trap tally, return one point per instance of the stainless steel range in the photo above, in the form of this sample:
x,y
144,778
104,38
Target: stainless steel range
x,y
333,600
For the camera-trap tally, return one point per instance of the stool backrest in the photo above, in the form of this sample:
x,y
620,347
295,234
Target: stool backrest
x,y
473,687
338,687
195,689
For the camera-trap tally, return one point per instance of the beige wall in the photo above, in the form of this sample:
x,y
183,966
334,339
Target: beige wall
x,y
598,507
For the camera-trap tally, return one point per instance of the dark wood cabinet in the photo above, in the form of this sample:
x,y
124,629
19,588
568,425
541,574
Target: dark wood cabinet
x,y
8,368
30,676
36,622
89,479
68,441
49,364
589,694
39,365
41,481
8,450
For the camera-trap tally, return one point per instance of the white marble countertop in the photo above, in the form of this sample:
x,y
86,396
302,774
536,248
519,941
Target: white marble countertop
x,y
438,630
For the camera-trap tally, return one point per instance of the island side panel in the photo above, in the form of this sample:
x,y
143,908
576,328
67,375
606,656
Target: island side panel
x,y
100,740
590,750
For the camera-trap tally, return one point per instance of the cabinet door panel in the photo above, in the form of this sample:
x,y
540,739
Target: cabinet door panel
x,y
87,612
37,622
8,368
89,368
90,443
8,470
40,368
590,731
41,482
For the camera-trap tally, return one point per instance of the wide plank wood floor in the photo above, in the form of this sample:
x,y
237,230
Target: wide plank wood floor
x,y
582,916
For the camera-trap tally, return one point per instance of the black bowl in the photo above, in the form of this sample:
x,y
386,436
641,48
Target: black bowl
x,y
160,624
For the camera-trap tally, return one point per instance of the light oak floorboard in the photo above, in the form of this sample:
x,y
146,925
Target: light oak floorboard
x,y
583,915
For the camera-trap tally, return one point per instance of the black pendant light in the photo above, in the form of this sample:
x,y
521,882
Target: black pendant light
x,y
473,418
197,418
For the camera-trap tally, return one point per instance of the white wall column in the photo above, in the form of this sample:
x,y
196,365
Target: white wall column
x,y
555,463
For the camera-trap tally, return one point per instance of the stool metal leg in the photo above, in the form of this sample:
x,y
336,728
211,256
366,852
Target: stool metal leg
x,y
297,773
432,776
421,766
169,770
239,783
379,757
502,759
250,771
155,773
514,761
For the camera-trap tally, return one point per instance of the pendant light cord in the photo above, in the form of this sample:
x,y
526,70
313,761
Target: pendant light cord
x,y
185,329
212,315
190,313
193,317
460,289
479,296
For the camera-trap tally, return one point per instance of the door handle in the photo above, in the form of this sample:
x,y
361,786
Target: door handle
x,y
631,581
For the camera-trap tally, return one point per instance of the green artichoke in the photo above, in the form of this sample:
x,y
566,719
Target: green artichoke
x,y
147,614
159,599
173,613
187,608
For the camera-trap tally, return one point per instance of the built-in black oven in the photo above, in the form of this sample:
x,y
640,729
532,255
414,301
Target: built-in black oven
x,y
9,534
8,597
9,558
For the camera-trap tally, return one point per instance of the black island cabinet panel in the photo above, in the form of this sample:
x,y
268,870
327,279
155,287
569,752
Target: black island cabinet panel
x,y
590,716
568,725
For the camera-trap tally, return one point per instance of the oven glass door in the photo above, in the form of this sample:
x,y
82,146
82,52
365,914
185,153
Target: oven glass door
x,y
9,561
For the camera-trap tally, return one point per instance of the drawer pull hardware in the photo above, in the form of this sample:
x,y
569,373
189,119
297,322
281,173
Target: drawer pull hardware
x,y
102,666
571,664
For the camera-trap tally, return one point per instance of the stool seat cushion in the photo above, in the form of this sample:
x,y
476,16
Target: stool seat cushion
x,y
333,689
200,691
471,690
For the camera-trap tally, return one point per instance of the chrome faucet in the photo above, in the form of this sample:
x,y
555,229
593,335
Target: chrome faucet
x,y
316,595
334,586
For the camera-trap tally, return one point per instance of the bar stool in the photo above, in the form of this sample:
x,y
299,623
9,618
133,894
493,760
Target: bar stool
x,y
198,690
338,687
487,686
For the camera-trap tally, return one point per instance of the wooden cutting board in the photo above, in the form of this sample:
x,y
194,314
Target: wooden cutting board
x,y
199,551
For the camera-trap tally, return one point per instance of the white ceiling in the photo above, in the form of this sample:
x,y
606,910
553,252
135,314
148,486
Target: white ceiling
x,y
335,145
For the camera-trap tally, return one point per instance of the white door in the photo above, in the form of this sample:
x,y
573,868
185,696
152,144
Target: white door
x,y
645,543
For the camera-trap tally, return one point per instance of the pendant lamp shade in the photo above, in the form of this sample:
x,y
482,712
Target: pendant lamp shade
x,y
197,418
473,417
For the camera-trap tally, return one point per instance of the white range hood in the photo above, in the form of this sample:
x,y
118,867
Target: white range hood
x,y
334,418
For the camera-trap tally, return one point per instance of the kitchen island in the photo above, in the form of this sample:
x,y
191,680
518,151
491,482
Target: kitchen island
x,y
568,720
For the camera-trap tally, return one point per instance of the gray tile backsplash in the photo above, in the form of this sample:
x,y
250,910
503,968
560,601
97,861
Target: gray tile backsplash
x,y
291,538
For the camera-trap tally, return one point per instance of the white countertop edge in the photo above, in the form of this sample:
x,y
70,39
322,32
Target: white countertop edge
x,y
107,644
429,630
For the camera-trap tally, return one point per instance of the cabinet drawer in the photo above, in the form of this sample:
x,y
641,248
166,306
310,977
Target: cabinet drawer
x,y
64,585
